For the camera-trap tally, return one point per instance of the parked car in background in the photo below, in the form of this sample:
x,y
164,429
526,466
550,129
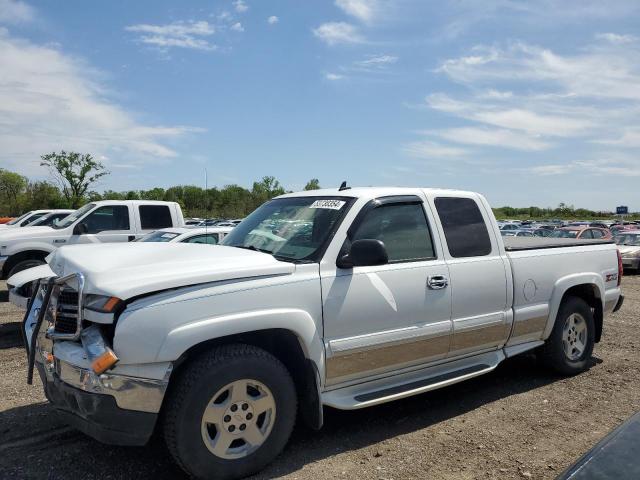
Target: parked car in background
x,y
516,233
582,233
355,298
105,221
28,218
509,226
542,232
4,220
207,235
628,242
49,219
192,221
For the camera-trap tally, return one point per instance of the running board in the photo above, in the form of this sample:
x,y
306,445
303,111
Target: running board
x,y
411,383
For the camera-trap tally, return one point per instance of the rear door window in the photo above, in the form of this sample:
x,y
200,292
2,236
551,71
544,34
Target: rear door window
x,y
154,217
464,227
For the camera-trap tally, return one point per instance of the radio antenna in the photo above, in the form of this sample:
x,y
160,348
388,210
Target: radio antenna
x,y
206,203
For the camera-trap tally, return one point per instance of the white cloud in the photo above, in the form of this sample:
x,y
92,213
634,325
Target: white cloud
x,y
272,20
192,35
240,6
333,33
363,10
333,76
616,38
50,101
15,11
489,137
237,27
376,62
432,150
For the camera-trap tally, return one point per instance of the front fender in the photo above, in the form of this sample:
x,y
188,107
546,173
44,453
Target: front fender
x,y
299,322
563,285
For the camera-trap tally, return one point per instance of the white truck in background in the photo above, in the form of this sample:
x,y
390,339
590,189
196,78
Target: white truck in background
x,y
97,222
346,298
28,218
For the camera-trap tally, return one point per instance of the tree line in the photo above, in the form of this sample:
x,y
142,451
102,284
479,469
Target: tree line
x,y
74,176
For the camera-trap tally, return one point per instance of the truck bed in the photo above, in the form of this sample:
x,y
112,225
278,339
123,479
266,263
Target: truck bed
x,y
516,244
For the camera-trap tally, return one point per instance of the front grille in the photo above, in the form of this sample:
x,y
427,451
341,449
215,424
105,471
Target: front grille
x,y
67,312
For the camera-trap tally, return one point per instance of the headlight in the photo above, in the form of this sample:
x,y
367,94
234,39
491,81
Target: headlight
x,y
101,303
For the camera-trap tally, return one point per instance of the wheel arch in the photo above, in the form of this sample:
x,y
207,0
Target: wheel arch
x,y
17,257
287,347
588,287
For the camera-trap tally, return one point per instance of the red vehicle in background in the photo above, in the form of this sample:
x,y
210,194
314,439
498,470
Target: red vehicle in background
x,y
5,219
582,233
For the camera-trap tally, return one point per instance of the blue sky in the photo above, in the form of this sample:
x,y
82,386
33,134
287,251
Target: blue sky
x,y
530,103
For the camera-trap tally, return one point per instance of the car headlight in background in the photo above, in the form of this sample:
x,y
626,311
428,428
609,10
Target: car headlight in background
x,y
101,303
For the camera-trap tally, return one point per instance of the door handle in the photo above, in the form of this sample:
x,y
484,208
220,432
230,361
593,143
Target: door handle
x,y
437,282
132,238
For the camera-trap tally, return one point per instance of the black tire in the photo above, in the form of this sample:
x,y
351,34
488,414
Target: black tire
x,y
23,265
553,354
194,389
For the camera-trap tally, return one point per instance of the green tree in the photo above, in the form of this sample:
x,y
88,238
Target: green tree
x,y
74,172
313,184
41,195
12,186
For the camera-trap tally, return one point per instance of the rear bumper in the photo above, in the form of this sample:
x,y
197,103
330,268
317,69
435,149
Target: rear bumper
x,y
97,415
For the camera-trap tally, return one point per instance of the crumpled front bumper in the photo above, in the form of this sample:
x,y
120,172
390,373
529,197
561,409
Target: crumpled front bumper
x,y
97,415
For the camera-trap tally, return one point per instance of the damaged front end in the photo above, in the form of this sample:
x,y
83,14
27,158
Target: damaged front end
x,y
68,336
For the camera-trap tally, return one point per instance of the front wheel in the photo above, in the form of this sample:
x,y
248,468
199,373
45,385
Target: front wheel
x,y
570,345
230,413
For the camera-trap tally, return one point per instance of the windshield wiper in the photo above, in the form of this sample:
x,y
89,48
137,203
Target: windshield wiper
x,y
255,249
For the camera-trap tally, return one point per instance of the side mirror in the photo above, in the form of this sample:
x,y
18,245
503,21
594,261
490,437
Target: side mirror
x,y
364,253
81,229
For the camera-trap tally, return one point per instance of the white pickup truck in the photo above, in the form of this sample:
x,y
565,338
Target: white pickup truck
x,y
346,298
96,222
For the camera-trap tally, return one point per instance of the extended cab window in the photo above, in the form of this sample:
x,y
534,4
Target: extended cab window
x,y
110,217
464,228
402,228
153,217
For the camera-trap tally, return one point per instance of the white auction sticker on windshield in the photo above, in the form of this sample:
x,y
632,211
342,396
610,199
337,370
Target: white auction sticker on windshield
x,y
330,204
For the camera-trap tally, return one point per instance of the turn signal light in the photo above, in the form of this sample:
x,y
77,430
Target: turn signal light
x,y
104,362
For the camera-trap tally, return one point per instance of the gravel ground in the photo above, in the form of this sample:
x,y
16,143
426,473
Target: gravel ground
x,y
517,422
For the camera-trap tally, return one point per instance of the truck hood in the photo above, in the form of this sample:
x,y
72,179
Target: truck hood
x,y
21,233
132,269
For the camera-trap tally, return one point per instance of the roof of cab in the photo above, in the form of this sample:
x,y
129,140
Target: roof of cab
x,y
374,192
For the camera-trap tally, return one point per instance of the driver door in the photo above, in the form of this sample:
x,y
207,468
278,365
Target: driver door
x,y
106,224
388,317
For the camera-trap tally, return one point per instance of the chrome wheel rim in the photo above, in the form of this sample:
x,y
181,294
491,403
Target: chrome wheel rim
x,y
238,419
574,336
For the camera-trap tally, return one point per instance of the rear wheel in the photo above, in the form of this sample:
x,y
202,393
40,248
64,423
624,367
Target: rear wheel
x,y
230,413
24,264
570,345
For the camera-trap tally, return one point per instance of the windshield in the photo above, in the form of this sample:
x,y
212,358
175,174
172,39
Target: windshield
x,y
73,216
43,220
159,236
294,229
565,233
16,220
628,239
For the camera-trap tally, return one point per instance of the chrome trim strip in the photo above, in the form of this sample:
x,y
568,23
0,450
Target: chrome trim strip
x,y
387,350
372,340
